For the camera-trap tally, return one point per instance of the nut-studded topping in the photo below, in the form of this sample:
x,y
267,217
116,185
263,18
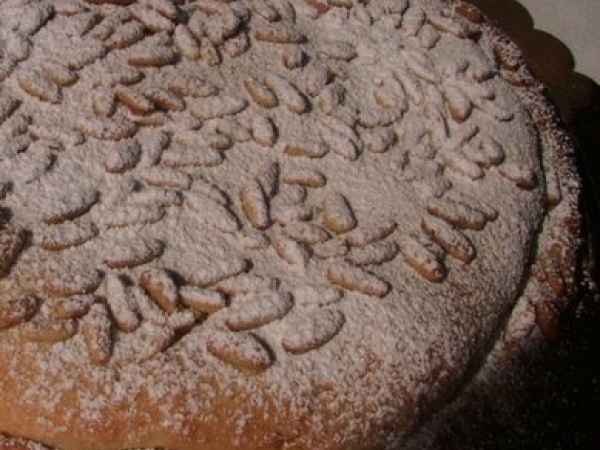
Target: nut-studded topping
x,y
186,85
135,101
217,271
463,166
254,205
278,34
307,149
124,155
64,206
337,214
261,94
181,156
377,253
210,191
315,77
254,240
457,214
305,177
126,35
363,236
17,311
264,131
356,279
145,55
341,3
117,128
450,239
96,330
118,73
152,19
293,57
147,308
73,307
313,330
243,351
522,176
160,286
308,233
378,140
70,234
176,174
265,10
488,153
256,309
202,300
187,42
152,339
156,197
245,283
291,251
316,296
12,241
286,214
209,53
268,178
237,45
338,50
153,144
122,303
64,277
232,128
288,94
36,83
488,211
128,250
167,8
164,99
423,261
166,178
341,141
459,104
333,248
288,195
220,106
104,102
59,74
8,105
17,47
44,329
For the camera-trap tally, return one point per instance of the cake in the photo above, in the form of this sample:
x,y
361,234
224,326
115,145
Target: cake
x,y
270,224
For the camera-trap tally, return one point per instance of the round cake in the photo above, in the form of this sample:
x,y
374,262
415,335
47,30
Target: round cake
x,y
269,224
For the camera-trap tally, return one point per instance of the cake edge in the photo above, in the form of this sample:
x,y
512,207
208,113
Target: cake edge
x,y
535,321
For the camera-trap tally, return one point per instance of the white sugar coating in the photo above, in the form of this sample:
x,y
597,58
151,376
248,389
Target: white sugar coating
x,y
315,329
122,303
254,309
202,300
306,232
380,181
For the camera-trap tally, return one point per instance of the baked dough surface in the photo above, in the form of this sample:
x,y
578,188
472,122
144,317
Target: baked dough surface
x,y
261,224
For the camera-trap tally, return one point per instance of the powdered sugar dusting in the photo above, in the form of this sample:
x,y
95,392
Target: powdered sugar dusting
x,y
292,222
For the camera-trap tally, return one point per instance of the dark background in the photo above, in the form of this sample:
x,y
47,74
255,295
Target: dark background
x,y
564,406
